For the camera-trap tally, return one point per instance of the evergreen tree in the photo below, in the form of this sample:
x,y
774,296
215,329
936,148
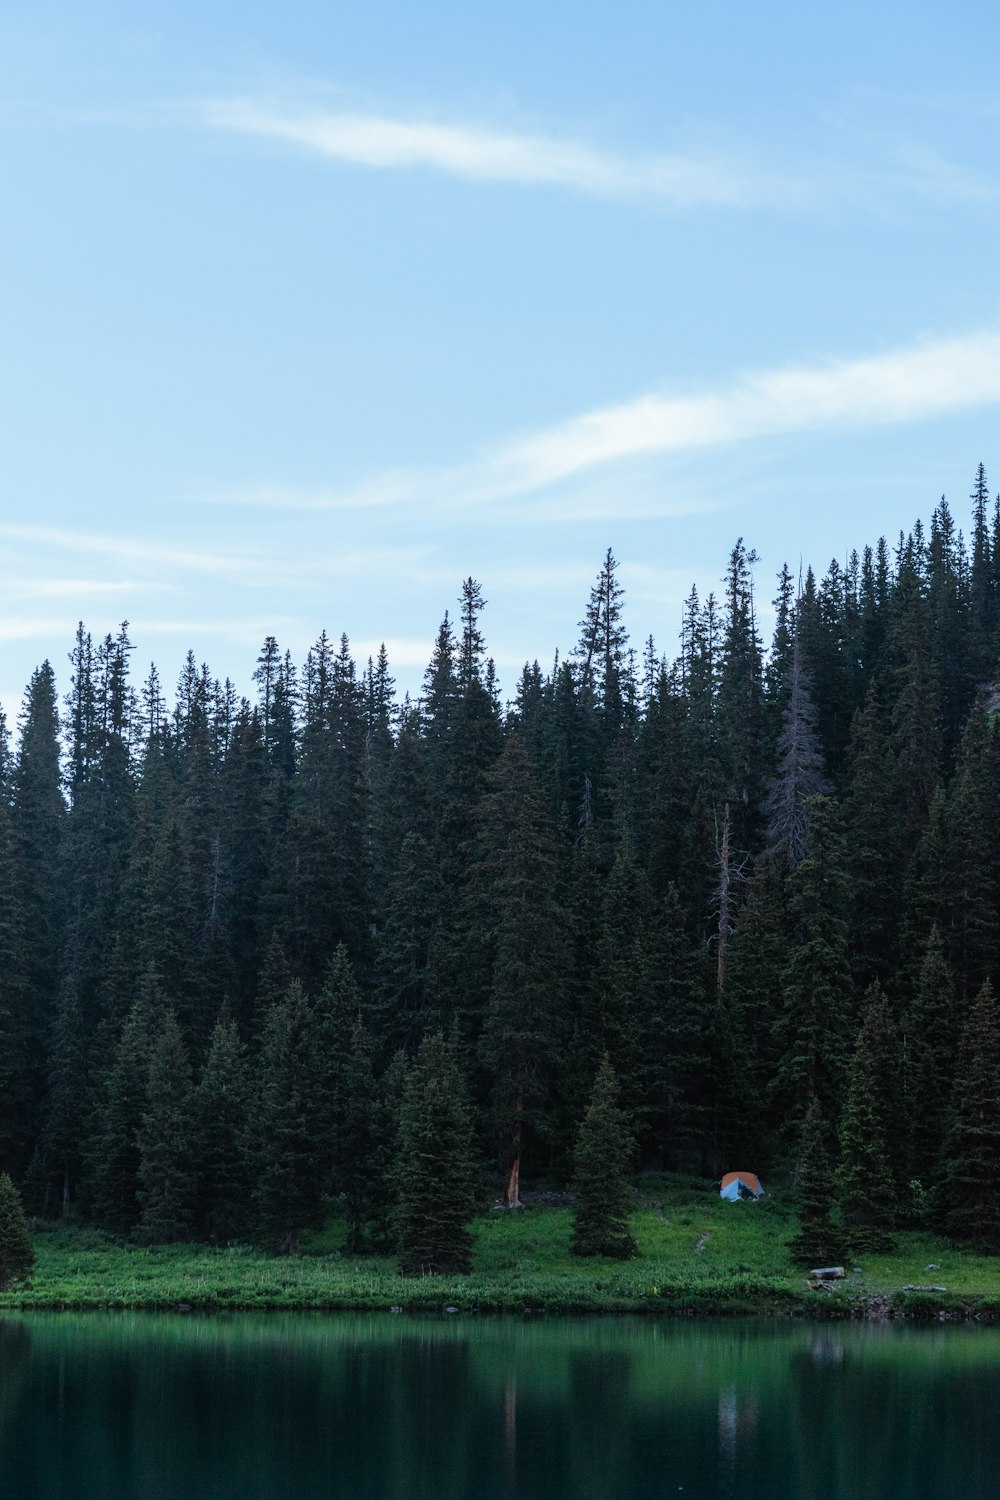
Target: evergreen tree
x,y
814,1025
866,1194
17,1026
58,1163
522,921
164,1139
358,1138
971,1188
220,1129
740,704
601,1186
433,1172
406,945
335,1013
814,1243
800,773
289,1151
929,1055
17,1255
115,1160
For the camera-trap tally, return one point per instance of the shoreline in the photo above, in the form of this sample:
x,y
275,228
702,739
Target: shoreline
x,y
696,1259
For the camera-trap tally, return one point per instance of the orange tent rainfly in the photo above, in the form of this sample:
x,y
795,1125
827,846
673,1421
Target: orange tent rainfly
x,y
736,1185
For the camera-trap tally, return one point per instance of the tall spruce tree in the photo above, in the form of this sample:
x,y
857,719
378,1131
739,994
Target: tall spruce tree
x,y
866,1194
433,1172
113,1175
17,1254
165,1142
289,1153
816,1019
221,1127
359,1138
522,920
971,1189
602,1161
814,1242
929,1057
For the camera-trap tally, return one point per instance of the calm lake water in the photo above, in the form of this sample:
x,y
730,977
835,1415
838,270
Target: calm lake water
x,y
144,1407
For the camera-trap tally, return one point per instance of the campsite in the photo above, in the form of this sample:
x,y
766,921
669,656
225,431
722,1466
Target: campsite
x,y
697,1253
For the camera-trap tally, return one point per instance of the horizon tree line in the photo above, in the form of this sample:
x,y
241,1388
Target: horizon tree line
x,y
762,885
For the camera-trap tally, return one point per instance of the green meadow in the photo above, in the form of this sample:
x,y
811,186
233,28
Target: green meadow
x,y
696,1254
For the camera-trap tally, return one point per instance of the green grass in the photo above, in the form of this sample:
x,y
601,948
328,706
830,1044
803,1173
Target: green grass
x,y
697,1254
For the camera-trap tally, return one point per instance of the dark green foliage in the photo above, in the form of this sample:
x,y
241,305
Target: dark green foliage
x,y
17,1081
814,1243
359,1139
289,1148
433,1170
929,1061
115,1159
17,1255
602,1162
165,1141
626,858
221,1126
971,1188
866,1194
524,926
799,770
58,1161
412,907
815,1022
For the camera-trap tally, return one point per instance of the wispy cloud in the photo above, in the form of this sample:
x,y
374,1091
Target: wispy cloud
x,y
682,180
249,566
918,382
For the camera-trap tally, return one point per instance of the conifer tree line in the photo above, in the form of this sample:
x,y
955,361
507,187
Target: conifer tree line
x,y
259,956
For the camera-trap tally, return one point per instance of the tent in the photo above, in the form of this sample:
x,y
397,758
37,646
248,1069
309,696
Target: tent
x,y
737,1185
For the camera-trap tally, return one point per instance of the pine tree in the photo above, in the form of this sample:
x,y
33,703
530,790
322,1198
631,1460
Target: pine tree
x,y
114,1166
814,1024
17,1254
433,1173
603,1157
814,1243
289,1152
220,1130
740,706
335,1014
59,1154
164,1139
800,773
522,922
406,945
929,1058
358,1138
971,1187
866,1194
38,817
17,1052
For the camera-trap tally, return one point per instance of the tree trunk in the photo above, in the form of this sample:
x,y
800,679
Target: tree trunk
x,y
512,1194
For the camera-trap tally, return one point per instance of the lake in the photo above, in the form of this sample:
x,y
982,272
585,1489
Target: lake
x,y
120,1406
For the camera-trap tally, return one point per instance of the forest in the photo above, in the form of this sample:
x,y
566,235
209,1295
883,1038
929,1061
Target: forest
x,y
329,946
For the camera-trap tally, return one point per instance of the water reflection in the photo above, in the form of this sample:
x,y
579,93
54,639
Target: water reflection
x,y
126,1407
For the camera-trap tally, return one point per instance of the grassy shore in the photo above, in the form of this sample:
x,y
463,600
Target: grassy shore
x,y
697,1255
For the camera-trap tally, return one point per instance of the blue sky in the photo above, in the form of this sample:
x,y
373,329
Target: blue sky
x,y
311,311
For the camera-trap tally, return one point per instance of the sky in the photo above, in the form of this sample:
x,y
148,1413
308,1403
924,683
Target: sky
x,y
311,311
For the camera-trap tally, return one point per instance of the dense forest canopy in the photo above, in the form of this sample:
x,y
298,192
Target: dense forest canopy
x,y
757,882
